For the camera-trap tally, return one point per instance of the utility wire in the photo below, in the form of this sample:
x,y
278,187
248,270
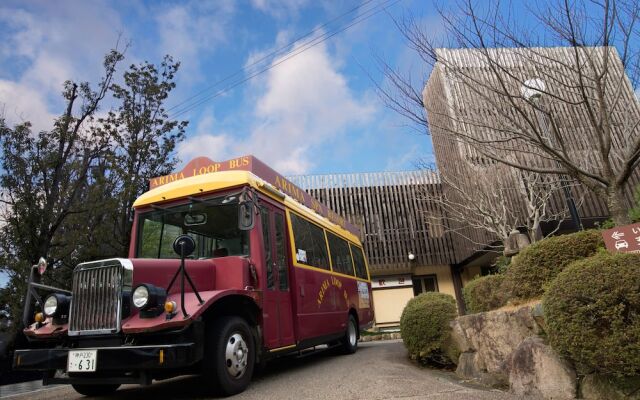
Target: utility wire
x,y
267,56
308,45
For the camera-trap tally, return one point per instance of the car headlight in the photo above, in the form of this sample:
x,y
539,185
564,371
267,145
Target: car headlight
x,y
51,305
56,305
149,299
140,296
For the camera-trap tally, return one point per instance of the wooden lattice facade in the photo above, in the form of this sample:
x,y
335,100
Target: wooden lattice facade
x,y
396,219
463,113
392,214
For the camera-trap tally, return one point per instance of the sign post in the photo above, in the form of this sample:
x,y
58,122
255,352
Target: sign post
x,y
623,239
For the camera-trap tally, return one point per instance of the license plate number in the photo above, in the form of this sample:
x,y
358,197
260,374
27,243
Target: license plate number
x,y
82,360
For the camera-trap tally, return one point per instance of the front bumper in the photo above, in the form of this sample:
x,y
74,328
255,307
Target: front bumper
x,y
112,359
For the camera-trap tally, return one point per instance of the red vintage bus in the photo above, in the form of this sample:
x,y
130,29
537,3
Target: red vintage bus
x,y
230,265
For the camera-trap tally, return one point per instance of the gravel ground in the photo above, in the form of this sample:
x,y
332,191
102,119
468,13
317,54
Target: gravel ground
x,y
379,370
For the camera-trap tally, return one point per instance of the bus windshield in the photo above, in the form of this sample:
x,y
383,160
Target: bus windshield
x,y
213,224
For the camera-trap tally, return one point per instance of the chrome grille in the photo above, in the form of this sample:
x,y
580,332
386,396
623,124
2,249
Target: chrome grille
x,y
98,287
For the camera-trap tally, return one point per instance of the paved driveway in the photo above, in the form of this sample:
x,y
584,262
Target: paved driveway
x,y
379,370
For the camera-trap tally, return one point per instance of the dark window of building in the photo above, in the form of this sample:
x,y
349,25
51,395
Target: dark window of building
x,y
358,262
281,258
310,244
340,255
484,271
267,247
423,284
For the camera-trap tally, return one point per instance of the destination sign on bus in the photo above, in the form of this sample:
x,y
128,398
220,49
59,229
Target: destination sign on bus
x,y
204,165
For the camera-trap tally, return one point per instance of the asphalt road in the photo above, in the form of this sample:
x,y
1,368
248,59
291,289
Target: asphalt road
x,y
379,370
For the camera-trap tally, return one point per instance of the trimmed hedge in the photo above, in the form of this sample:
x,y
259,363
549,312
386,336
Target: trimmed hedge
x,y
537,265
592,312
424,326
484,294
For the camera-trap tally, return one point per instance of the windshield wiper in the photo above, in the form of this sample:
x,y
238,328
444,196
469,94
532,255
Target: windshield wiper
x,y
227,200
155,207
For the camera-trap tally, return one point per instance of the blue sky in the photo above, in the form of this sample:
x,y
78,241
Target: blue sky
x,y
314,113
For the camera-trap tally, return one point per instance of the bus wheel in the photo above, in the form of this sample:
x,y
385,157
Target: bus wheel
x,y
95,390
350,340
229,355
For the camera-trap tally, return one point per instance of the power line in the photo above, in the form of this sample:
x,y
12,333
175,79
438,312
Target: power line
x,y
267,56
311,43
306,46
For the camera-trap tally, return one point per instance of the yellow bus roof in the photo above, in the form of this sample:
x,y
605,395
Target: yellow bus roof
x,y
211,182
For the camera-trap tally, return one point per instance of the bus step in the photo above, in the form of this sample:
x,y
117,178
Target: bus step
x,y
313,350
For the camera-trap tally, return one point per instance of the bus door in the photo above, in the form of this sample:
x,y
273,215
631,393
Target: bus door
x,y
278,315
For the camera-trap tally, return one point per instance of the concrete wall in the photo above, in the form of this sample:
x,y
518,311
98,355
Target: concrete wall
x,y
470,273
389,303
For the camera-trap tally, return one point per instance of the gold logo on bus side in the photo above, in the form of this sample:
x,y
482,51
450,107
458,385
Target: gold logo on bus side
x,y
325,285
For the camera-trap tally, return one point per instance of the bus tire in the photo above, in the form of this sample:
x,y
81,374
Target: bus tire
x,y
95,390
350,340
230,354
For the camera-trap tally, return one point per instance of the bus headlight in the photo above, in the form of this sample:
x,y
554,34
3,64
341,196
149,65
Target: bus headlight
x,y
148,297
56,305
50,306
140,296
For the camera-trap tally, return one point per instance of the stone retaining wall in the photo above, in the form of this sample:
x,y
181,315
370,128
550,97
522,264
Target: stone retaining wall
x,y
505,348
382,336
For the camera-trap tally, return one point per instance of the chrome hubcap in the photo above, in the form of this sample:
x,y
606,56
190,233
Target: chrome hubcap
x,y
236,355
352,333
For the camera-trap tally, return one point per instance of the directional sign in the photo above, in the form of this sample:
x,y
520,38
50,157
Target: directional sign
x,y
624,239
617,235
391,281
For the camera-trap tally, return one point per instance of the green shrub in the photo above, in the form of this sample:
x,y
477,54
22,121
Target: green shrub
x,y
424,326
501,264
484,293
592,312
607,223
537,265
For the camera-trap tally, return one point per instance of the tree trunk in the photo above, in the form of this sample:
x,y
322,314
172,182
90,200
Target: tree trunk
x,y
617,205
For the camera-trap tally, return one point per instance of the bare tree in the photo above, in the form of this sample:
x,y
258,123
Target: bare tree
x,y
500,200
557,99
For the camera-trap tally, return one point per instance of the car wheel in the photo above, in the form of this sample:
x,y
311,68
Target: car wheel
x,y
229,355
350,340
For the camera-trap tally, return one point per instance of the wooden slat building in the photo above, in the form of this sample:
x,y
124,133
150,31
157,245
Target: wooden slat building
x,y
469,106
394,219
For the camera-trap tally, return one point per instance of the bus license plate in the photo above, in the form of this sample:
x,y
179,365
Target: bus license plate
x,y
82,360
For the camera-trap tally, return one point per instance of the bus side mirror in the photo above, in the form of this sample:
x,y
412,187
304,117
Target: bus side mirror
x,y
245,215
184,245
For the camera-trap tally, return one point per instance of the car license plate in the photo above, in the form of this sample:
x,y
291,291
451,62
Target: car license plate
x,y
82,360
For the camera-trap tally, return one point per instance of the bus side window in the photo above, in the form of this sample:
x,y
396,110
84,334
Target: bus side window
x,y
358,262
311,247
264,214
281,258
340,255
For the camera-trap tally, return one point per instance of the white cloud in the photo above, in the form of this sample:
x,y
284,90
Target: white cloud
x,y
299,108
213,146
205,142
51,42
188,30
305,103
412,155
19,103
280,8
